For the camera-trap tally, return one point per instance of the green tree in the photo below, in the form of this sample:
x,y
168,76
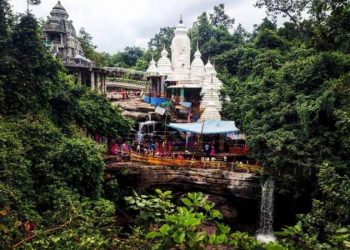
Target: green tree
x,y
269,39
30,84
161,39
79,162
212,40
96,114
130,55
89,48
331,16
220,18
291,9
6,23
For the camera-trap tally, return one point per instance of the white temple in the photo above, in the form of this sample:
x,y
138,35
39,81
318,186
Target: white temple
x,y
184,78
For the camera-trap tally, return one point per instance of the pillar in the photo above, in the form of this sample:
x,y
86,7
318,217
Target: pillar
x,y
182,94
79,77
162,79
101,83
92,82
104,90
97,80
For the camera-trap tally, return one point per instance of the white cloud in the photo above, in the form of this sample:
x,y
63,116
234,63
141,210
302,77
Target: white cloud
x,y
115,24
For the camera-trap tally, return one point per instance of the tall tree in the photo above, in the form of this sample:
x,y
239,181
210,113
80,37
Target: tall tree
x,y
292,9
130,55
30,85
220,18
213,40
86,41
163,38
331,16
6,21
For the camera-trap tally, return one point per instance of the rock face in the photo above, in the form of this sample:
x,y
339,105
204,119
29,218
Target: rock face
x,y
211,181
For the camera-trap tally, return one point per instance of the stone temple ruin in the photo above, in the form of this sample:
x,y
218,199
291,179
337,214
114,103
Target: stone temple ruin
x,y
62,40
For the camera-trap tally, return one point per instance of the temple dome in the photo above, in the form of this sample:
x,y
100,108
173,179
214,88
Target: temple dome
x,y
164,64
197,66
211,112
152,68
59,11
209,68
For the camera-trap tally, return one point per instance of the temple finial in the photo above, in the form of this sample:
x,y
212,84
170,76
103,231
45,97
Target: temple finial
x,y
197,45
181,21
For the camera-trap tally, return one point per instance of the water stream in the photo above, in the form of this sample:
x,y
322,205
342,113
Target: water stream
x,y
265,232
146,128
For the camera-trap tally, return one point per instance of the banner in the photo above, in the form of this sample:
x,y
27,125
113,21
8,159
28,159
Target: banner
x,y
160,110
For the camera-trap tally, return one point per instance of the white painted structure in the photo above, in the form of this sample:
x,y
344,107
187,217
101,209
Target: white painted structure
x,y
187,75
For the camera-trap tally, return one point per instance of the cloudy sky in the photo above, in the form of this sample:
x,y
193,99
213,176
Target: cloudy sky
x,y
115,24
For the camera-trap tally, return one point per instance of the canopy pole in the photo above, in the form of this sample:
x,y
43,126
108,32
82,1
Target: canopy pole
x,y
164,137
200,135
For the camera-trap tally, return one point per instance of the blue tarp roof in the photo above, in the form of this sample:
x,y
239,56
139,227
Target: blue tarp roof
x,y
186,104
209,127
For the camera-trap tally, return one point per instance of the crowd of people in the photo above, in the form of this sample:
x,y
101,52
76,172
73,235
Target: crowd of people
x,y
124,94
162,148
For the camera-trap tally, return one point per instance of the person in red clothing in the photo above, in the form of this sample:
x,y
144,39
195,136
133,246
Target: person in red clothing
x,y
113,148
212,151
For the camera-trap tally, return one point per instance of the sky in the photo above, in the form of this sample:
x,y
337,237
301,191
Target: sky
x,y
115,24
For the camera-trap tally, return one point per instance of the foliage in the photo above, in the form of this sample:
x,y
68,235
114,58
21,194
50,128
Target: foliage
x,y
161,39
150,208
291,9
183,227
293,104
195,224
96,114
89,48
294,236
220,18
50,172
212,33
86,225
130,55
79,162
34,71
330,213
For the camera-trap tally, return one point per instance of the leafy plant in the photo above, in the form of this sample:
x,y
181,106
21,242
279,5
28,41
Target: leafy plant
x,y
185,227
150,208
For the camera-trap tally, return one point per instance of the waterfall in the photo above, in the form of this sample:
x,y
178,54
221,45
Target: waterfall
x,y
139,132
150,128
265,232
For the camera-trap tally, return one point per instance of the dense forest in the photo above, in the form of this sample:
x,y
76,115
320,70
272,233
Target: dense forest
x,y
287,87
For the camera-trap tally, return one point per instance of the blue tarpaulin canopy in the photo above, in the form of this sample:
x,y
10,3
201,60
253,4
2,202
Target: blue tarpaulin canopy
x,y
186,104
209,127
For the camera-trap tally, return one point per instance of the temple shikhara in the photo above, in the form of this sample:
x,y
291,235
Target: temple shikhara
x,y
61,39
189,84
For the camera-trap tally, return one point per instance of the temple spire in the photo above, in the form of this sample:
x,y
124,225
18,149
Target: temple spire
x,y
181,21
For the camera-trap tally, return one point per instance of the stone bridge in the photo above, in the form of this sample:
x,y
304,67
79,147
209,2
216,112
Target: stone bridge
x,y
211,181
